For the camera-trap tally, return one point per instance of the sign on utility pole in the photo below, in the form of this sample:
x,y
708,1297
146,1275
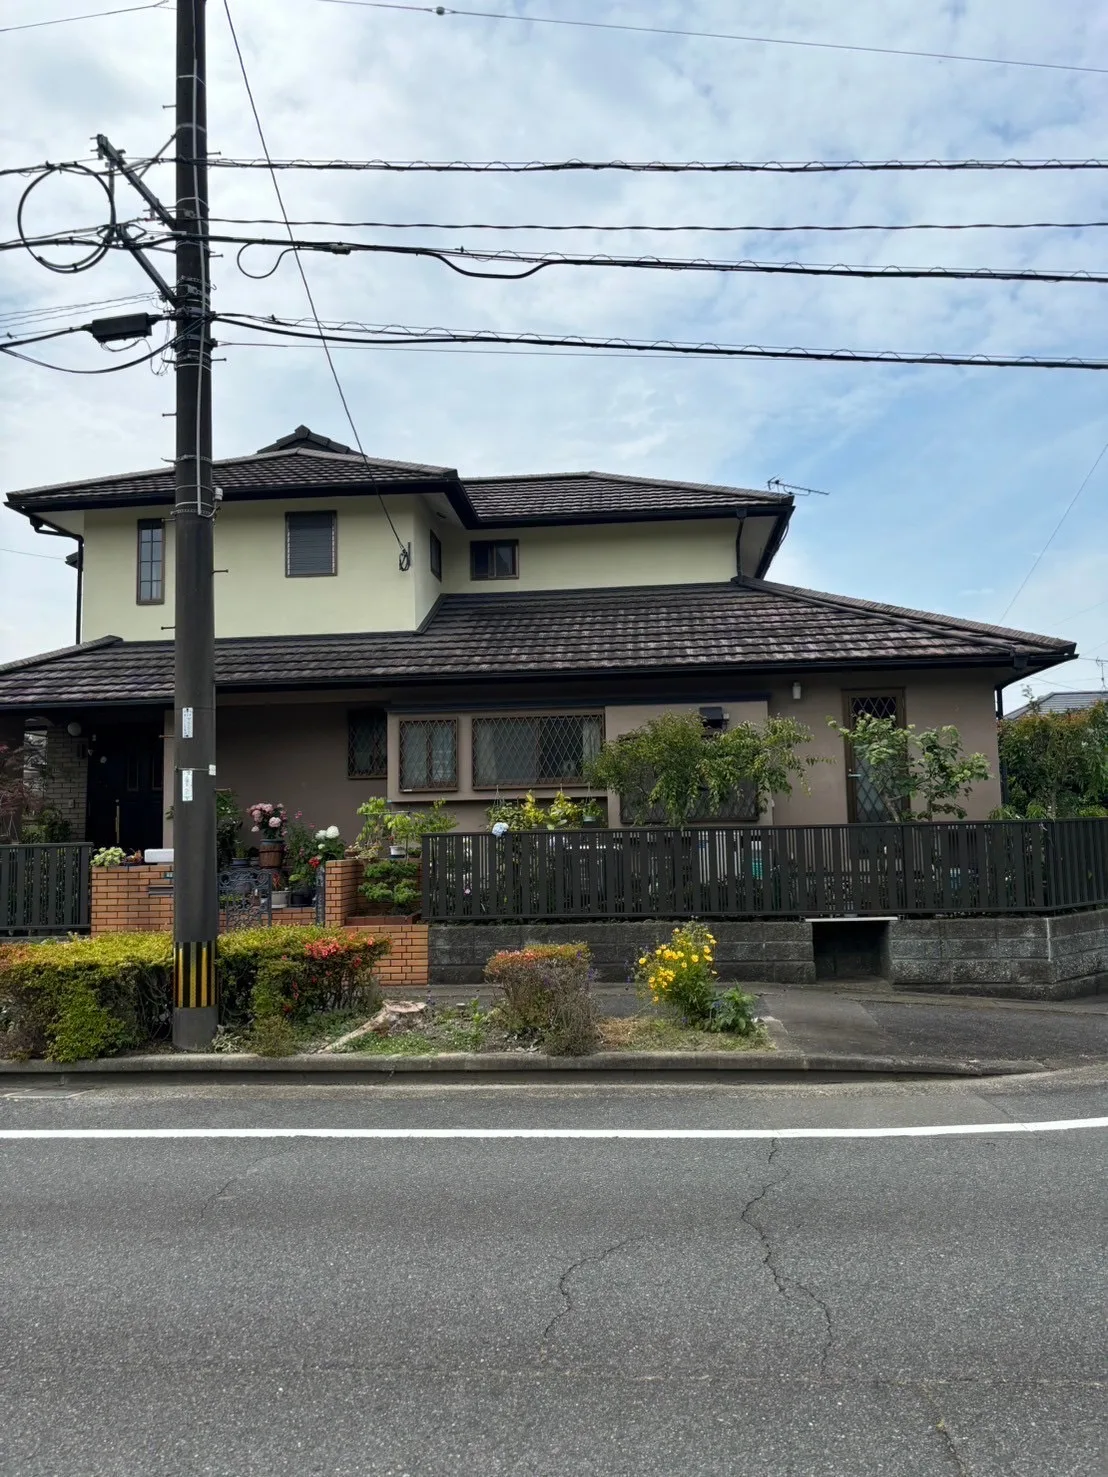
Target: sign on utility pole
x,y
195,898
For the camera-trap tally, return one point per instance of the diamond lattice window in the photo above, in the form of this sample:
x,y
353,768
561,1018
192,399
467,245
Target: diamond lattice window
x,y
866,801
367,748
429,754
548,749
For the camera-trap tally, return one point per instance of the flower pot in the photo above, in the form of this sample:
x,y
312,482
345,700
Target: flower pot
x,y
269,855
299,899
280,898
398,852
241,862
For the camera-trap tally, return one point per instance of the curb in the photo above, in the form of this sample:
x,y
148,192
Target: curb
x,y
317,1067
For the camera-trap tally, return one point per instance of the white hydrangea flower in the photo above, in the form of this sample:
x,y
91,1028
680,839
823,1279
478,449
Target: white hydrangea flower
x,y
332,833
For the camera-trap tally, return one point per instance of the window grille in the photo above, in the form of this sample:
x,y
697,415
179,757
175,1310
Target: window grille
x,y
309,544
547,749
429,754
864,801
494,559
367,748
151,561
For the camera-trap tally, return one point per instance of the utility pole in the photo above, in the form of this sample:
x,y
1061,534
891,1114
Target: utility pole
x,y
195,897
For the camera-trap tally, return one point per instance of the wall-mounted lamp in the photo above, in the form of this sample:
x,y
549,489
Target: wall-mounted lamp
x,y
798,692
73,729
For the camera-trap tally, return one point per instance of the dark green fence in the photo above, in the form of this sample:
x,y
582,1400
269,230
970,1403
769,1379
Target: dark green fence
x,y
972,868
44,888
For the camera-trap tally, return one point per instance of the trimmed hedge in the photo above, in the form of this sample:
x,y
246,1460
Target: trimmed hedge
x,y
72,999
544,996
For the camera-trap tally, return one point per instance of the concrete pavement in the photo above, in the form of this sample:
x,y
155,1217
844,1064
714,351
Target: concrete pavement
x,y
928,1305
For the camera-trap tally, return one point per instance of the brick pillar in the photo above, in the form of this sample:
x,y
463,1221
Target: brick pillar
x,y
341,881
67,778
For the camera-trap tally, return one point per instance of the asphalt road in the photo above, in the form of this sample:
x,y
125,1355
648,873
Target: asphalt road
x,y
900,1305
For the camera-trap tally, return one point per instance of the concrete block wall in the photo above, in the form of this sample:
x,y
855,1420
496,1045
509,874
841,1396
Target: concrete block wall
x,y
1026,958
766,953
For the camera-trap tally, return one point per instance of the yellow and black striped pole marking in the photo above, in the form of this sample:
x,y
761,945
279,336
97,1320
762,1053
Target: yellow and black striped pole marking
x,y
194,976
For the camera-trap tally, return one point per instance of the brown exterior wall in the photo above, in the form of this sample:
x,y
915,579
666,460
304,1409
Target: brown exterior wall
x,y
966,700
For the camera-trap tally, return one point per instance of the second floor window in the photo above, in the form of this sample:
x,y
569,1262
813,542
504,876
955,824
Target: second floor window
x,y
491,559
429,754
309,543
151,561
436,555
545,750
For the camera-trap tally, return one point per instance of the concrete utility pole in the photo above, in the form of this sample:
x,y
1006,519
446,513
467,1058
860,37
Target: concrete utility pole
x,y
195,897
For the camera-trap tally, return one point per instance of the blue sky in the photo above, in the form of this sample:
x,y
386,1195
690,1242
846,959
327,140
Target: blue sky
x,y
944,483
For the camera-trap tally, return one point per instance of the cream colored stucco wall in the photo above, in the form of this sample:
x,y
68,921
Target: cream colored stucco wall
x,y
369,592
587,556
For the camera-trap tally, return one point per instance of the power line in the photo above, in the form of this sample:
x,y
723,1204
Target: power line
x,y
405,551
1068,510
584,166
30,554
92,15
454,257
548,20
61,309
384,336
108,369
240,220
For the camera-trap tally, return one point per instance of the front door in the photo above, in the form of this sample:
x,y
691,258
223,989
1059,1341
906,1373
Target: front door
x,y
125,800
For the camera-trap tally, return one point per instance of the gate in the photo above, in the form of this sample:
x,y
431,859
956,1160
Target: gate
x,y
44,888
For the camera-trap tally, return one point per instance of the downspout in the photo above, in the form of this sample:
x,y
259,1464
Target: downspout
x,y
76,560
1003,773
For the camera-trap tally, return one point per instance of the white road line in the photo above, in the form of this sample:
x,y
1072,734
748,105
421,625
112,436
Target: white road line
x,y
1057,1125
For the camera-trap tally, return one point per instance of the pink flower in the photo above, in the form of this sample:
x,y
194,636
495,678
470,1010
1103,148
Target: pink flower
x,y
275,820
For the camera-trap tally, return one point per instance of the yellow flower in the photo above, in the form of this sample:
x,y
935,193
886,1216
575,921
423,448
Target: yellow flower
x,y
643,959
696,958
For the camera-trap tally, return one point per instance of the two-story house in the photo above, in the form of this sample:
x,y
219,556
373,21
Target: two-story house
x,y
385,628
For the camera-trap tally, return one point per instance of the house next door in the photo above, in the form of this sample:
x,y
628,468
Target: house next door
x,y
125,800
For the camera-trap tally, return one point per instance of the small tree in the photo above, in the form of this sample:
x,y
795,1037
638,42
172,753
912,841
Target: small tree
x,y
676,765
906,764
1056,764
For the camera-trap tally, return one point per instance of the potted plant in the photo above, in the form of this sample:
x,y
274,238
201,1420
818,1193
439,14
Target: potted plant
x,y
270,825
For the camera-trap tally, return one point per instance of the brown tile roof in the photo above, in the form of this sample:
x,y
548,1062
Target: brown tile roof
x,y
754,626
582,496
298,468
306,463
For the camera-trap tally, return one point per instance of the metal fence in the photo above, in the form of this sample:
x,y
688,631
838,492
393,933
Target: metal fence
x,y
44,888
972,868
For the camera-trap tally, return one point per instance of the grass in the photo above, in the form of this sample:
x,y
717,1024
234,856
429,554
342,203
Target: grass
x,y
659,1033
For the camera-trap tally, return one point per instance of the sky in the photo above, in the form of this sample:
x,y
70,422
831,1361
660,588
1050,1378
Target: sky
x,y
943,484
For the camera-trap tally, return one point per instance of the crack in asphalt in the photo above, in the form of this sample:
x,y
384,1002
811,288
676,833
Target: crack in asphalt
x,y
564,1279
944,1431
781,1283
243,1174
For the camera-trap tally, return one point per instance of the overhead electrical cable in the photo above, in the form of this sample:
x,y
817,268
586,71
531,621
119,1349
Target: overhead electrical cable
x,y
657,166
405,549
386,335
682,32
92,15
241,220
108,369
458,258
1057,527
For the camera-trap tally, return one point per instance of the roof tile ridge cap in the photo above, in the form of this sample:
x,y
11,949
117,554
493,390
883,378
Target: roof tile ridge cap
x,y
906,612
59,653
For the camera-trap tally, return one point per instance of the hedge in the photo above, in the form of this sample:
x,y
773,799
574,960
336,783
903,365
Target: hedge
x,y
72,999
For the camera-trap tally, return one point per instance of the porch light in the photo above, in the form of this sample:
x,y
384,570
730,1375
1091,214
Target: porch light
x,y
798,692
73,729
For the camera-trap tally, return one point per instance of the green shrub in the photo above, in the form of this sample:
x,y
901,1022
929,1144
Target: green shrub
x,y
544,996
76,998
395,883
733,1013
84,997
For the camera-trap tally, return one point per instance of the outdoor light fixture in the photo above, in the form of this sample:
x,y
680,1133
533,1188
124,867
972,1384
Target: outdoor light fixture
x,y
798,692
73,729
